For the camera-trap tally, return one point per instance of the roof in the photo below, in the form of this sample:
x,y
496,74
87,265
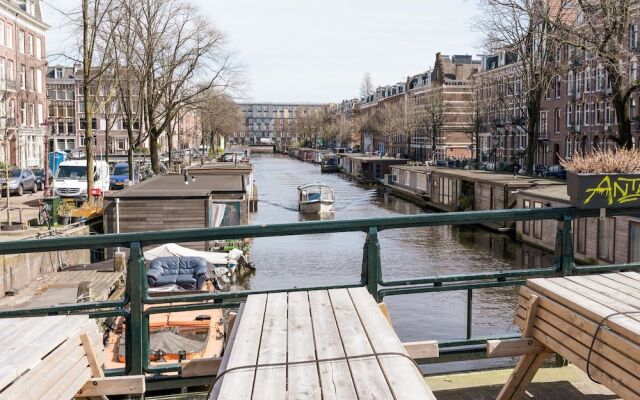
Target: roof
x,y
377,158
553,193
172,186
496,178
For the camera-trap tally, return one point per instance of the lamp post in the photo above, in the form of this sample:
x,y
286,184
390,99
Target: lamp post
x,y
6,164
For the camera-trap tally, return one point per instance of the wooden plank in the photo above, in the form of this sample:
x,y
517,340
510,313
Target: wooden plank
x,y
303,380
94,364
228,349
200,367
581,329
271,382
367,374
513,347
245,351
531,316
404,378
587,306
521,376
116,385
601,293
335,376
423,349
385,311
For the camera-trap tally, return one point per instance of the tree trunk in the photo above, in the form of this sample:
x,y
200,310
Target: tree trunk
x,y
130,150
477,144
625,138
170,144
107,131
88,111
153,151
533,113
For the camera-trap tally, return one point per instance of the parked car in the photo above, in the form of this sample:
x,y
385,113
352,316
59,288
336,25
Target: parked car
x,y
555,171
538,169
120,176
39,173
20,181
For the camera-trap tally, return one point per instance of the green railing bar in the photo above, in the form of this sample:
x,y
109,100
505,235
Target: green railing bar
x,y
61,309
189,307
515,273
446,288
299,228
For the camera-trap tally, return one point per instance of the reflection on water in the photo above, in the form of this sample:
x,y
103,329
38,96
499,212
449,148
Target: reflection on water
x,y
325,216
333,258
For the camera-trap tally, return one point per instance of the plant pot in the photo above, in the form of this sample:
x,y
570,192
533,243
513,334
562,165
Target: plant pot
x,y
76,219
14,226
589,191
63,220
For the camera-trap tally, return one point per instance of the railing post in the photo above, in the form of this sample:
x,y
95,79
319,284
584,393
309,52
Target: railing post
x,y
469,313
564,257
137,352
371,263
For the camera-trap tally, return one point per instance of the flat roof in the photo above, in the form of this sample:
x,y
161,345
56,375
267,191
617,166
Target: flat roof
x,y
486,176
171,186
554,193
375,158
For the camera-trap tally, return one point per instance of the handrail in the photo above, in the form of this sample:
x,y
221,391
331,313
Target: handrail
x,y
137,306
298,228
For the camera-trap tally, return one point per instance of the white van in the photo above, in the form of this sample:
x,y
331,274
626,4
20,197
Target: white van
x,y
71,179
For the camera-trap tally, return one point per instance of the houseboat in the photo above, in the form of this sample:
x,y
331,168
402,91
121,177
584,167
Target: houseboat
x,y
329,163
315,198
369,169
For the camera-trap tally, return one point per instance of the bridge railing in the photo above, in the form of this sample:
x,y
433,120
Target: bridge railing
x,y
137,306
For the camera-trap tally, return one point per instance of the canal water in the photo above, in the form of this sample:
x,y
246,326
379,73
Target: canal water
x,y
336,258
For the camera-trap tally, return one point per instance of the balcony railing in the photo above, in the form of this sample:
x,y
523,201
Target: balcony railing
x,y
137,306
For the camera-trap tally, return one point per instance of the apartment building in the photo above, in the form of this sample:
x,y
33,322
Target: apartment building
x,y
275,121
22,82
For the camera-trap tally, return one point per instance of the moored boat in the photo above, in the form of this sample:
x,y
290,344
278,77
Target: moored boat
x,y
316,198
329,163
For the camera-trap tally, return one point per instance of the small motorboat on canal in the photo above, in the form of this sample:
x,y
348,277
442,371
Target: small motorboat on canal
x,y
315,198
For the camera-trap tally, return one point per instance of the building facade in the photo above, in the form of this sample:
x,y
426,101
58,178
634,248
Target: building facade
x,y
275,121
22,82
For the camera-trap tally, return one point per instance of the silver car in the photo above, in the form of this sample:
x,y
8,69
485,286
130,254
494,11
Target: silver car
x,y
20,180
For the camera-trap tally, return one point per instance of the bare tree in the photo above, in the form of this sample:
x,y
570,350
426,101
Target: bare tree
x,y
342,128
391,121
366,87
479,118
220,117
434,117
600,31
527,32
183,56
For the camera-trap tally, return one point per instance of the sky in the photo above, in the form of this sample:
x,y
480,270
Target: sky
x,y
318,51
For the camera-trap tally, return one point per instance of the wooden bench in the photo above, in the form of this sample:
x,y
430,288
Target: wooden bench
x,y
317,344
592,321
56,357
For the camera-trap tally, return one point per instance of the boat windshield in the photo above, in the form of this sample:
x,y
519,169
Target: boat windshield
x,y
317,194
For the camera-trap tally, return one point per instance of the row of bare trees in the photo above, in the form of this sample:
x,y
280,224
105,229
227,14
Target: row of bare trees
x,y
546,40
149,62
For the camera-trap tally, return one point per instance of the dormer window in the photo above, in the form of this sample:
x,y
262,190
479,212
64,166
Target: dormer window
x,y
59,73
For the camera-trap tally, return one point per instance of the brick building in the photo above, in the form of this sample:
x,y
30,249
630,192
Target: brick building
x,y
22,81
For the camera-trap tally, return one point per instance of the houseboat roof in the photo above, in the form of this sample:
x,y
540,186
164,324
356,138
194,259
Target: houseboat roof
x,y
553,193
173,185
362,157
485,176
222,168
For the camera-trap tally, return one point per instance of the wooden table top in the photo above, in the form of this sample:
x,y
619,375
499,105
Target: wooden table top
x,y
297,331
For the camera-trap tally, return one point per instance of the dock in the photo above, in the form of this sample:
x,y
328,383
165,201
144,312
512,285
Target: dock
x,y
79,284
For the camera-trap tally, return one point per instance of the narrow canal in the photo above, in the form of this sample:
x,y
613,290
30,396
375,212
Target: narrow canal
x,y
336,258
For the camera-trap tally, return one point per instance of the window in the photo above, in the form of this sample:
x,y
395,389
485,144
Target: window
x,y
10,70
587,110
633,73
23,113
568,150
23,76
70,127
633,36
543,123
2,32
606,239
537,224
30,45
557,121
21,41
32,115
9,36
58,73
587,80
570,79
597,117
2,69
578,114
39,81
38,48
578,84
634,241
526,225
569,115
558,86
599,78
31,81
607,115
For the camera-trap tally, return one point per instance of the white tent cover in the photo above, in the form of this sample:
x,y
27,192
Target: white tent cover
x,y
175,250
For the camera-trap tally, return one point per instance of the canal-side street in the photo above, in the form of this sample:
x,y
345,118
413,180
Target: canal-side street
x,y
337,258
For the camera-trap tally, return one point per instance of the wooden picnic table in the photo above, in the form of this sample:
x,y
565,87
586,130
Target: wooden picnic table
x,y
593,321
323,344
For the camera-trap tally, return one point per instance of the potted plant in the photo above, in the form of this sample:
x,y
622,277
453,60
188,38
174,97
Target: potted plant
x,y
604,179
64,212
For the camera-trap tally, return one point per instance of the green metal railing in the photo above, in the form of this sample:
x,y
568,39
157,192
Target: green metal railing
x,y
136,306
